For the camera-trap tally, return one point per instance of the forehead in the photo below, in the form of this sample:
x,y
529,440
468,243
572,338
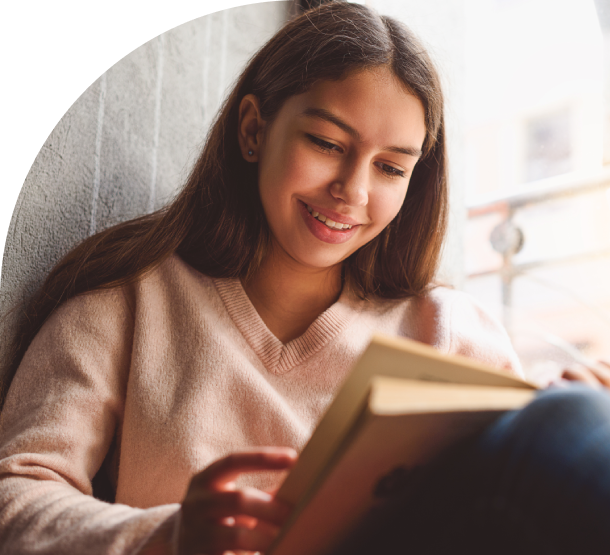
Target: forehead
x,y
374,102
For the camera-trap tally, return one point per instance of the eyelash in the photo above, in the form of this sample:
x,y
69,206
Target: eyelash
x,y
325,146
391,171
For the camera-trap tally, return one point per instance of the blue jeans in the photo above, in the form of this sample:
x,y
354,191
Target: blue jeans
x,y
535,481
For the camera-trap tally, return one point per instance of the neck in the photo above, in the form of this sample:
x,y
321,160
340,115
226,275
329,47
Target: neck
x,y
289,297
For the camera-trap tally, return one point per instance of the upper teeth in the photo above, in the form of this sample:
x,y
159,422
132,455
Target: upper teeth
x,y
330,223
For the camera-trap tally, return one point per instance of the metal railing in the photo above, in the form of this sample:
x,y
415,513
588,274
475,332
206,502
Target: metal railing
x,y
508,239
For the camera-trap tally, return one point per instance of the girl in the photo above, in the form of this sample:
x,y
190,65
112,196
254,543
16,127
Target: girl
x,y
165,359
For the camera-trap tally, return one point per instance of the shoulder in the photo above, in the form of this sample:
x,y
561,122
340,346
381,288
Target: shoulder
x,y
472,331
108,314
88,328
455,323
115,311
93,312
173,274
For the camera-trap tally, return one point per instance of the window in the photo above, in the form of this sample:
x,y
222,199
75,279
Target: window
x,y
548,146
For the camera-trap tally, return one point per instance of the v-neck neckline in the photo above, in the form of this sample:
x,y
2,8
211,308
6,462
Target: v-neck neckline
x,y
277,357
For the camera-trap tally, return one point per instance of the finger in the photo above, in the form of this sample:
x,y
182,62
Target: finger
x,y
226,470
248,502
232,552
581,375
559,381
599,372
602,371
236,538
245,521
602,375
605,363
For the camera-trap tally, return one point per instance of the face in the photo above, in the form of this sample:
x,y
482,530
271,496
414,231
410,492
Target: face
x,y
335,164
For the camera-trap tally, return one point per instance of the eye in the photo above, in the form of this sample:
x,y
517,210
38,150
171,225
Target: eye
x,y
323,145
390,171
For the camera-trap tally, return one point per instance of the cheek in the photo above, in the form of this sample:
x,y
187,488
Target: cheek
x,y
292,169
385,203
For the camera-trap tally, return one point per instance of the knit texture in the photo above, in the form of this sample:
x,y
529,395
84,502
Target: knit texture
x,y
156,380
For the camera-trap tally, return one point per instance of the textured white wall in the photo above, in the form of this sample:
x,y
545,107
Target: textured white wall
x,y
128,142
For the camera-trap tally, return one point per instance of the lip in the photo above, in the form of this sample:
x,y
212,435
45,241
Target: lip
x,y
335,216
323,232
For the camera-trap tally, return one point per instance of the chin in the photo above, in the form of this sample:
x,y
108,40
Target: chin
x,y
314,255
320,263
319,260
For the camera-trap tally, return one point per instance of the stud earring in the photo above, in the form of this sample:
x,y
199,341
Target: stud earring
x,y
250,153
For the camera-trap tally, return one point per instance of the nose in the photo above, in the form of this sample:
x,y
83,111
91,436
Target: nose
x,y
352,186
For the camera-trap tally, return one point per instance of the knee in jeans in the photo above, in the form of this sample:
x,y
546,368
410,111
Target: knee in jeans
x,y
554,420
573,404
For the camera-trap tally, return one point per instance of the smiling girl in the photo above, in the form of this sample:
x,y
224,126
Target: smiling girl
x,y
334,167
171,365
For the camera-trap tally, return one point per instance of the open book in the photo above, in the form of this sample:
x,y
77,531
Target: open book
x,y
402,404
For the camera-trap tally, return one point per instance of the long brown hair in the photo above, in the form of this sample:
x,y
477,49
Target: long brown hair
x,y
217,224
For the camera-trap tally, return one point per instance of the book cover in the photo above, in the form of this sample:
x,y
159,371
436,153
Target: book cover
x,y
402,405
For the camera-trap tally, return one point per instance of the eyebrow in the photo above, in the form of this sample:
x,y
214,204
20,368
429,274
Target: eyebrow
x,y
325,115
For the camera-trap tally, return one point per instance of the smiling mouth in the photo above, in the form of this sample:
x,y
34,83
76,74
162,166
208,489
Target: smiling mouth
x,y
327,221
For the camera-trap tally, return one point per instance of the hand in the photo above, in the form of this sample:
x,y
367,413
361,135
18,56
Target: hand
x,y
217,517
597,376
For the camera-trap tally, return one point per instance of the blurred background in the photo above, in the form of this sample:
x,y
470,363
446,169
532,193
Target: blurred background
x,y
527,85
537,155
528,94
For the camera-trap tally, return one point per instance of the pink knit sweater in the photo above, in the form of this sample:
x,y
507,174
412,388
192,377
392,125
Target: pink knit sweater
x,y
159,379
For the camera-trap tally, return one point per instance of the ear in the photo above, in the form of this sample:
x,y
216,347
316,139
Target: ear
x,y
250,128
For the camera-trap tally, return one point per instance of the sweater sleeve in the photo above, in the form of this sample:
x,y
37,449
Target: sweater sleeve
x,y
60,416
456,324
475,333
